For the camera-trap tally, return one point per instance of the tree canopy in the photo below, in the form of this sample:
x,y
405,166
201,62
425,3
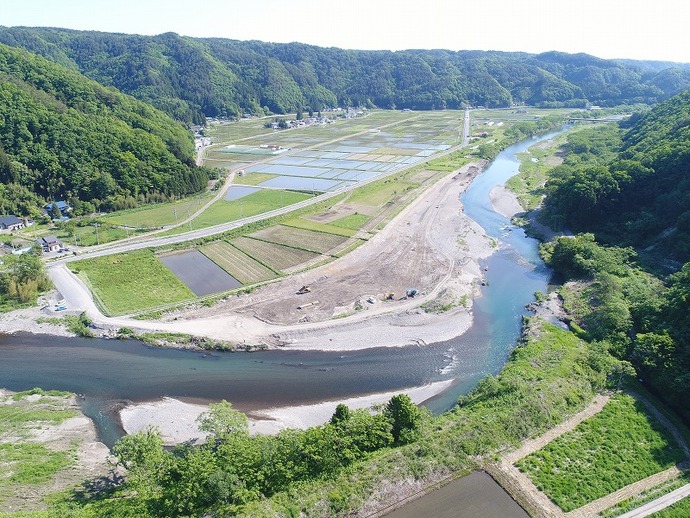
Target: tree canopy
x,y
193,78
63,136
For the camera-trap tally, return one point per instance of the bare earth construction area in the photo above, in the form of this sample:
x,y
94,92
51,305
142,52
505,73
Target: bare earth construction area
x,y
431,246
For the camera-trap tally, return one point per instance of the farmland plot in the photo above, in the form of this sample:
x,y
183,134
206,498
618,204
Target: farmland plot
x,y
318,242
236,263
278,257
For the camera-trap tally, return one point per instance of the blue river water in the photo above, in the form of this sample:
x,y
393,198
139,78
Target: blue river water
x,y
110,373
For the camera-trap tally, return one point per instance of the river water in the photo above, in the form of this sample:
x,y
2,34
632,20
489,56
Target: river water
x,y
111,373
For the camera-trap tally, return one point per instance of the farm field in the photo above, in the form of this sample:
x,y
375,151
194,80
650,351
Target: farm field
x,y
278,257
237,263
620,445
130,282
353,221
257,203
155,216
318,242
199,273
326,228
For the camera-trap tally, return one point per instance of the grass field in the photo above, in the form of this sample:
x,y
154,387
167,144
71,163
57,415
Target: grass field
x,y
27,463
528,183
318,242
236,263
320,227
378,193
130,282
155,216
252,178
256,203
353,221
678,510
620,445
277,256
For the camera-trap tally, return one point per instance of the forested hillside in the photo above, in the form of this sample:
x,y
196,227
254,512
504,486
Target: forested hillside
x,y
629,190
64,136
632,187
192,78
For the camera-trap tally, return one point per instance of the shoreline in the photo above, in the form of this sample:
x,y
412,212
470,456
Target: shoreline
x,y
455,284
176,419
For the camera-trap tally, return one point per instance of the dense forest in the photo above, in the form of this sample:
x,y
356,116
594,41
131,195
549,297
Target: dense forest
x,y
64,136
193,78
627,190
630,186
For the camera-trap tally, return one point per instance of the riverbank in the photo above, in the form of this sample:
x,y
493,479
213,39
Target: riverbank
x,y
177,420
431,245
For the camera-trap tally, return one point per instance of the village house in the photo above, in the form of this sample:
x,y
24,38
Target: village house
x,y
64,208
12,223
49,243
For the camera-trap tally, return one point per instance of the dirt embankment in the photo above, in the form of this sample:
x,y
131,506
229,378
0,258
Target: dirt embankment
x,y
431,246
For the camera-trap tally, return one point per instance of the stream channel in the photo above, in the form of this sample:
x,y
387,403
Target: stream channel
x,y
109,374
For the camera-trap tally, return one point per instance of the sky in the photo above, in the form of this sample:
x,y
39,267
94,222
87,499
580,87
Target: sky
x,y
634,29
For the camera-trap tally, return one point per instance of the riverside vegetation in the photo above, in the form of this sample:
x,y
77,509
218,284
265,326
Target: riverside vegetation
x,y
628,313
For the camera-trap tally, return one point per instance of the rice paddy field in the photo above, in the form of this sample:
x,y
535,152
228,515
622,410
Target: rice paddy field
x,y
274,255
237,263
401,147
309,240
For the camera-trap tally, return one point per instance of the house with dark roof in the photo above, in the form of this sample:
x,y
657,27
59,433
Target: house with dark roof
x,y
12,223
49,243
62,205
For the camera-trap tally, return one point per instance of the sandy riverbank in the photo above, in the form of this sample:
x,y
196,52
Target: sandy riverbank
x,y
431,245
504,201
177,420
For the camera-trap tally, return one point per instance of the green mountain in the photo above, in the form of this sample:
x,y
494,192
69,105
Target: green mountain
x,y
63,135
193,78
632,187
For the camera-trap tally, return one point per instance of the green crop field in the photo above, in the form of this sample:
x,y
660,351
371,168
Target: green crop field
x,y
155,216
353,221
256,203
130,282
252,178
278,257
318,242
237,263
320,227
620,445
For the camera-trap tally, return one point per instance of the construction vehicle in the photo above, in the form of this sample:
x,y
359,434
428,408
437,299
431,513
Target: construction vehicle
x,y
303,290
388,295
411,292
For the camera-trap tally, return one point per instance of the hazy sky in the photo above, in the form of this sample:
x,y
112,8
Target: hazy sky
x,y
657,29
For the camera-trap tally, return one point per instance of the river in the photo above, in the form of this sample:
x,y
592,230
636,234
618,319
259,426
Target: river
x,y
110,373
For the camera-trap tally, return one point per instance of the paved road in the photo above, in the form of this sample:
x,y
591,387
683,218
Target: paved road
x,y
660,503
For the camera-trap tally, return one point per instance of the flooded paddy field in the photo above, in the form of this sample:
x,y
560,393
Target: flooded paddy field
x,y
472,496
199,273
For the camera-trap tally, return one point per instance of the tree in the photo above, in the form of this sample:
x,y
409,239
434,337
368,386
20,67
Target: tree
x,y
342,413
223,421
144,458
405,418
55,212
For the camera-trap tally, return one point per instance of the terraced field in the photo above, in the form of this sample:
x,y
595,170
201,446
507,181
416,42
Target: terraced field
x,y
237,263
278,257
318,242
